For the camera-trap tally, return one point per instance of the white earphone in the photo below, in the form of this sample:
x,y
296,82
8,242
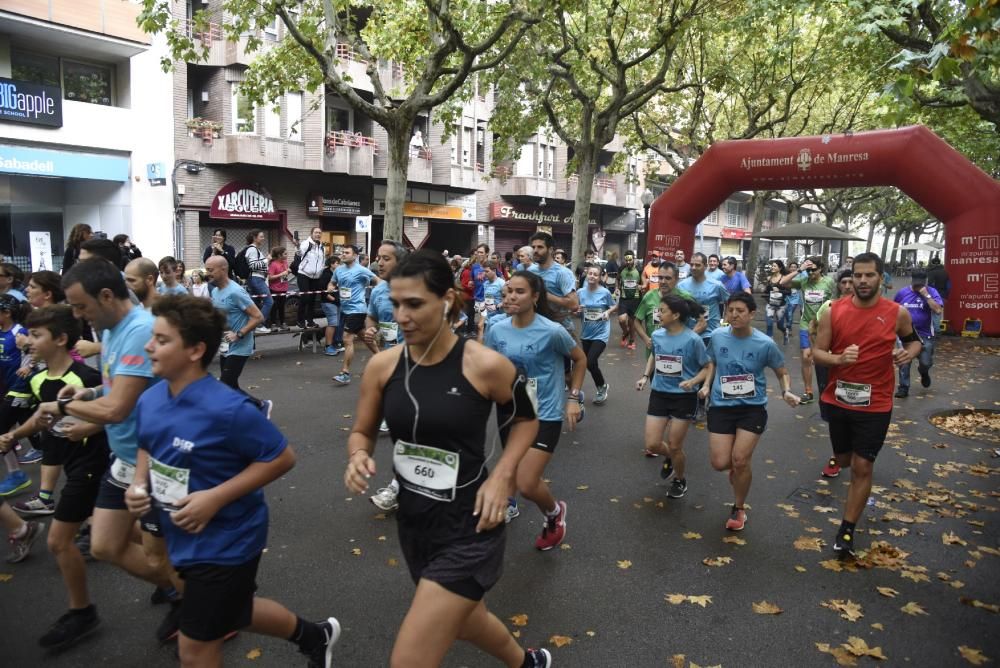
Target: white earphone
x,y
447,307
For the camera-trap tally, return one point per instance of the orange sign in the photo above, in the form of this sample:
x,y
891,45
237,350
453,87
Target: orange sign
x,y
417,210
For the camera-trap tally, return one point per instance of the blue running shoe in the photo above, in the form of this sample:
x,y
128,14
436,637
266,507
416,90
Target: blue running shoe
x,y
16,481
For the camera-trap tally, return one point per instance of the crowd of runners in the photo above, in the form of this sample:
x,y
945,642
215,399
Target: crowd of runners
x,y
162,466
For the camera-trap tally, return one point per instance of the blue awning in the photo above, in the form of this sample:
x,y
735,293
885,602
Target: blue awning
x,y
26,161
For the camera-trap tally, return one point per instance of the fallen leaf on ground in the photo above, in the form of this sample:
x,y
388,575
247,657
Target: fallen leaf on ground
x,y
560,641
950,538
565,546
356,552
973,656
6,577
678,660
800,569
717,561
691,535
583,488
807,543
703,601
913,608
824,509
989,550
519,620
887,591
591,633
838,566
254,653
734,540
849,610
393,562
858,647
915,576
878,626
843,657
624,564
995,609
676,599
765,608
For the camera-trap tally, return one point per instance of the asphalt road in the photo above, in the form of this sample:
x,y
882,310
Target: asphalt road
x,y
628,547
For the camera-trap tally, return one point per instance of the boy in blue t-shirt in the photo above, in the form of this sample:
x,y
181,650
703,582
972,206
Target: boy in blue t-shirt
x,y
16,404
351,279
203,468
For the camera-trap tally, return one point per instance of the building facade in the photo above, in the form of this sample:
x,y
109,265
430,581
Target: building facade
x,y
83,102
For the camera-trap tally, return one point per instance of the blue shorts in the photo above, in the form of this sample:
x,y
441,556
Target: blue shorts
x,y
804,339
332,314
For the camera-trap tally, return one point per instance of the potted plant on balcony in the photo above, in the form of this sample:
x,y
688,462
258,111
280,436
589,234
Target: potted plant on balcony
x,y
205,129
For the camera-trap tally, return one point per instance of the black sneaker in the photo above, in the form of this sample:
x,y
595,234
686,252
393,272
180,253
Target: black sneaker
x,y
678,488
843,547
538,658
902,392
322,655
667,469
925,378
70,628
807,398
170,627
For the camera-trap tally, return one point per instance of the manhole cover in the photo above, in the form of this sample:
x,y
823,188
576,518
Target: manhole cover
x,y
979,424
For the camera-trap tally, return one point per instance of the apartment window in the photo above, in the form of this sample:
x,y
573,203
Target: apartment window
x,y
81,82
551,173
35,68
271,29
454,145
525,165
467,147
338,119
244,115
272,121
733,215
293,109
712,218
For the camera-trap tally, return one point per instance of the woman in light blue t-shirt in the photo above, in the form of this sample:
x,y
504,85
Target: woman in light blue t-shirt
x,y
596,306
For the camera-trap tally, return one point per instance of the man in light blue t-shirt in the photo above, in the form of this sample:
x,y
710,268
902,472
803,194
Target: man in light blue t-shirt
x,y
351,279
707,292
560,283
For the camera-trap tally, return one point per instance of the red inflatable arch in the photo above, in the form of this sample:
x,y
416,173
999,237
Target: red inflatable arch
x,y
913,159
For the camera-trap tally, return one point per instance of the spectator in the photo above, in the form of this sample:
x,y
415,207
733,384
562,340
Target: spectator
x,y
168,274
312,259
220,247
182,276
199,288
257,284
80,233
334,333
128,250
277,281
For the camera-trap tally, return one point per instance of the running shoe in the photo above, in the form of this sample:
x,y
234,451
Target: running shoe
x,y
35,506
925,378
16,481
34,455
262,330
385,499
843,547
667,469
512,510
70,628
785,342
807,398
624,342
650,453
343,378
322,655
737,519
631,346
331,351
312,324
902,392
20,547
831,470
554,530
602,394
384,427
678,488
170,627
538,658
266,406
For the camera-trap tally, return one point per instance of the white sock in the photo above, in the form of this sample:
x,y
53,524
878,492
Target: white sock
x,y
553,512
394,485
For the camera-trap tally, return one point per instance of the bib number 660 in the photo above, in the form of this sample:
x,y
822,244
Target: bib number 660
x,y
423,471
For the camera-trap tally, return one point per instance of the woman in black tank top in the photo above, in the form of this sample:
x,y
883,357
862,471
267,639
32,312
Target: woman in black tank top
x,y
436,392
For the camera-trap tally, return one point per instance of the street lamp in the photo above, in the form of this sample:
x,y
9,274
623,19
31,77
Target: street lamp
x,y
647,200
192,167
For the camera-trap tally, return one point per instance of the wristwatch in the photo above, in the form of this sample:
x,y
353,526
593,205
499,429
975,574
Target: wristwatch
x,y
239,333
575,394
62,403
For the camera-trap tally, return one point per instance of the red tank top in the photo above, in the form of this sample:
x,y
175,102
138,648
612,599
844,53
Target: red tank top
x,y
867,384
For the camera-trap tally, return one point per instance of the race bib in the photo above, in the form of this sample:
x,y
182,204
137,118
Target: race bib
x,y
345,293
738,387
532,388
389,332
122,473
630,284
669,365
814,296
430,472
593,314
654,279
682,273
491,304
853,394
168,484
776,299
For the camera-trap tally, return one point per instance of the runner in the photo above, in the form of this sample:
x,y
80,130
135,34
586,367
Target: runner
x,y
678,353
707,292
683,268
560,287
16,406
776,298
845,288
493,289
81,450
351,279
857,340
629,289
451,510
201,471
713,270
732,280
816,289
737,414
537,347
924,304
596,307
794,297
650,275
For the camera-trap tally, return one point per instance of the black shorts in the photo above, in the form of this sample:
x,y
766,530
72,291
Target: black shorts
x,y
468,568
55,451
354,322
111,495
11,414
547,438
727,419
628,306
150,522
676,405
217,599
84,472
857,431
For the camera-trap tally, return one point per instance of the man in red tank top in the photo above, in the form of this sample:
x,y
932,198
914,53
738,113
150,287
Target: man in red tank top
x,y
856,338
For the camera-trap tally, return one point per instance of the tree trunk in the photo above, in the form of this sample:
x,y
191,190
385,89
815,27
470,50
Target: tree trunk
x,y
587,167
395,183
896,244
758,224
793,244
885,242
871,236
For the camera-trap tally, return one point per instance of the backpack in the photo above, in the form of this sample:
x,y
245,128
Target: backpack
x,y
242,268
297,259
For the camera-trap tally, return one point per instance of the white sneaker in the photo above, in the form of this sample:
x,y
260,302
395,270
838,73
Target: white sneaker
x,y
262,330
602,394
385,499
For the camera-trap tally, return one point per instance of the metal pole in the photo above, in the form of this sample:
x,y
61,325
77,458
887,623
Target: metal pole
x,y
645,235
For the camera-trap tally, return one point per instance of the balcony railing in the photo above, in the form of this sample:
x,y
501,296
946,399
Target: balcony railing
x,y
421,153
600,182
207,35
345,52
337,138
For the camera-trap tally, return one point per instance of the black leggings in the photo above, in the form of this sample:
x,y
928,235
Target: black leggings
x,y
232,367
594,349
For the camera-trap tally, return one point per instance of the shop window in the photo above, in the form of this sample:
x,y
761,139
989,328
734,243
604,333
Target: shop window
x,y
244,115
85,82
34,68
293,110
